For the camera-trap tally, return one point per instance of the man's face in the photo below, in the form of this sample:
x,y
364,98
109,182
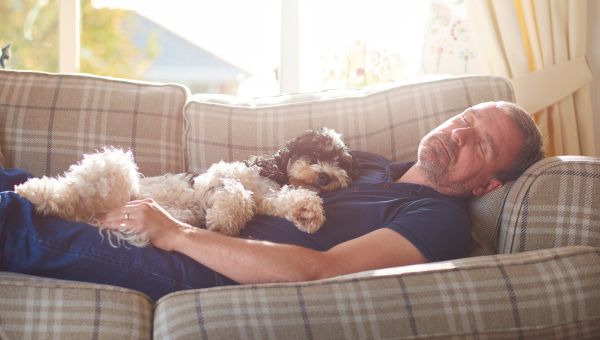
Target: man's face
x,y
461,156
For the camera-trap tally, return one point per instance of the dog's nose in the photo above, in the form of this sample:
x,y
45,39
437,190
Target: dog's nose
x,y
323,179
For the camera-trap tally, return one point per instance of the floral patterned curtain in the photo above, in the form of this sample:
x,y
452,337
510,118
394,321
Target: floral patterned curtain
x,y
445,48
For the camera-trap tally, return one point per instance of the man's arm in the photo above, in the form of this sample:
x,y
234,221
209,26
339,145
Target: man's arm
x,y
251,261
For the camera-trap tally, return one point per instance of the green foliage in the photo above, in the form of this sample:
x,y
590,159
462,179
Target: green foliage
x,y
31,27
105,50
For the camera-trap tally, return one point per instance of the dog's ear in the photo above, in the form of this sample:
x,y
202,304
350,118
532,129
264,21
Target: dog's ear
x,y
291,147
281,158
349,163
342,152
269,168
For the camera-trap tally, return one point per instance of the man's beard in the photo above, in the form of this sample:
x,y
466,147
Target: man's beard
x,y
436,162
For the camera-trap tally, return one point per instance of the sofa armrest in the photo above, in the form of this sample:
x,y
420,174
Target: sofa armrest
x,y
33,307
546,294
555,203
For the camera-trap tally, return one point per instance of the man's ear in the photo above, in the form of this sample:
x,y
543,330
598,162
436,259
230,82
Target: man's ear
x,y
484,189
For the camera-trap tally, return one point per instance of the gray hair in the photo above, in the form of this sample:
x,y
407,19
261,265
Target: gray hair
x,y
532,149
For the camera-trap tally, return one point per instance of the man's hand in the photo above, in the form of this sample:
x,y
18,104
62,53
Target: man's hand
x,y
149,218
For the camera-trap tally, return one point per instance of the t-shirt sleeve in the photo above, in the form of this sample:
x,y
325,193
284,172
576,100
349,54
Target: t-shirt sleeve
x,y
439,229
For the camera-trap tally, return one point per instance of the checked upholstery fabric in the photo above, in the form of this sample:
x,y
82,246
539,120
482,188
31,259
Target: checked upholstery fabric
x,y
499,297
534,271
49,121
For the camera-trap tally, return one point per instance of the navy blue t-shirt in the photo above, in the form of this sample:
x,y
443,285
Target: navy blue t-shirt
x,y
436,224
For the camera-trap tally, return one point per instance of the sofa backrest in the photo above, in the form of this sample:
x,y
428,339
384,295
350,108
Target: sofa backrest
x,y
389,120
48,121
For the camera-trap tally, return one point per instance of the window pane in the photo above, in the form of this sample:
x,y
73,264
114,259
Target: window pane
x,y
354,43
226,46
31,28
359,42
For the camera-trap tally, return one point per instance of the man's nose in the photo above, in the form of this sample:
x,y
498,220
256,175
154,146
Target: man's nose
x,y
462,135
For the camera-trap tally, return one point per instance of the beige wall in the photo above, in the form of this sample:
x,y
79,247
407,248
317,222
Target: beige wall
x,y
593,57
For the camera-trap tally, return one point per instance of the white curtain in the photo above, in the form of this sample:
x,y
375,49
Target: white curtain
x,y
539,45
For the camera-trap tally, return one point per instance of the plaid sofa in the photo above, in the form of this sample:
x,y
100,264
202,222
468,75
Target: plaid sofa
x,y
534,271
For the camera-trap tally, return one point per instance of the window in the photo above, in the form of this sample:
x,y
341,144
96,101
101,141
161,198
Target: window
x,y
226,46
364,42
358,43
247,48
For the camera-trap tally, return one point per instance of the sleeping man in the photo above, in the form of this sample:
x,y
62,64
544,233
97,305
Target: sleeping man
x,y
393,214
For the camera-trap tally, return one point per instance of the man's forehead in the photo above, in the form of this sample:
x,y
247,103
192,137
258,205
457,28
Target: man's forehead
x,y
473,111
486,104
484,107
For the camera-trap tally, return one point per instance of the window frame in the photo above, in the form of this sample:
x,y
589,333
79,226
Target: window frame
x,y
69,33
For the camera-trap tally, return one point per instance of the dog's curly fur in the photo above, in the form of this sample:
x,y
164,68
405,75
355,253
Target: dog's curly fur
x,y
224,198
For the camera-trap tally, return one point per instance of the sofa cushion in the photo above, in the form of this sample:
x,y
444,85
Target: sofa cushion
x,y
37,308
48,121
387,120
528,295
485,212
552,205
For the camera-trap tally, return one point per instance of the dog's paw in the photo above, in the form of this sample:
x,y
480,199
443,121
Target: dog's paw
x,y
307,212
232,207
223,222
